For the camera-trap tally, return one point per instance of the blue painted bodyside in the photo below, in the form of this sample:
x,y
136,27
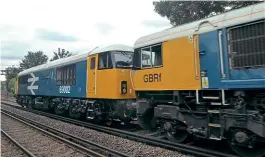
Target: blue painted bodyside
x,y
22,89
47,83
210,62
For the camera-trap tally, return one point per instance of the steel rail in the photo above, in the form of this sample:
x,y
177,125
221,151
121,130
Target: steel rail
x,y
17,144
141,138
89,152
65,135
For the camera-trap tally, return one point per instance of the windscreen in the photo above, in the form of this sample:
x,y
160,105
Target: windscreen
x,y
123,59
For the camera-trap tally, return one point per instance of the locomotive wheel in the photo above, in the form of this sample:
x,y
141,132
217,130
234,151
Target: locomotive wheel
x,y
30,104
127,122
257,151
58,110
109,122
70,112
239,144
20,103
73,114
176,133
147,121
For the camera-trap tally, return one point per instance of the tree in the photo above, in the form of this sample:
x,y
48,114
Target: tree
x,y
61,54
3,86
11,73
181,12
11,85
33,59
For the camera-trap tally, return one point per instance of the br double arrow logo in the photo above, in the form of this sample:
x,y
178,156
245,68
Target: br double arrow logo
x,y
33,79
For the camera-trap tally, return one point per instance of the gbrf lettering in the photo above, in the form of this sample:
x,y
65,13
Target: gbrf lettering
x,y
152,78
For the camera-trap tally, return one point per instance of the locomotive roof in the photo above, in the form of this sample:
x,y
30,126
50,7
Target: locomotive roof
x,y
76,58
116,47
246,14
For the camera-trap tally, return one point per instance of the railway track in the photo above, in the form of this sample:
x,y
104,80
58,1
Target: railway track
x,y
35,141
47,139
156,141
10,147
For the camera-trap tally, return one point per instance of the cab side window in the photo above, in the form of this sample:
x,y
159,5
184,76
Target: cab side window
x,y
92,63
137,59
156,55
104,61
146,57
151,56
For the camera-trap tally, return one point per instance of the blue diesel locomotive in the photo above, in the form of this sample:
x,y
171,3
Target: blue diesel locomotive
x,y
83,85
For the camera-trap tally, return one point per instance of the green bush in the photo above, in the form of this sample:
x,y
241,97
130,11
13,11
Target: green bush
x,y
11,85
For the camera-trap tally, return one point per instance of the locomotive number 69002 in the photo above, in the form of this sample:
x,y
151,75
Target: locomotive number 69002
x,y
64,89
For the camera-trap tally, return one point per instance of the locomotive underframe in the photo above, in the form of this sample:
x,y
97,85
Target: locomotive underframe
x,y
96,110
236,116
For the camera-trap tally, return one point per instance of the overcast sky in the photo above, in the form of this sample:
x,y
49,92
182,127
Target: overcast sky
x,y
76,25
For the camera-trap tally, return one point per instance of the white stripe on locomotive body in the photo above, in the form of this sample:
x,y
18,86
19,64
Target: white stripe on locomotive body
x,y
234,17
76,58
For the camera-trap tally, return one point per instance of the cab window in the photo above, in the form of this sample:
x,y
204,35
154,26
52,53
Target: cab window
x,y
148,57
92,63
137,59
123,59
156,55
105,61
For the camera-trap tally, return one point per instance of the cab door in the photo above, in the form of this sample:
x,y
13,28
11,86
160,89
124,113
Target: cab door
x,y
91,75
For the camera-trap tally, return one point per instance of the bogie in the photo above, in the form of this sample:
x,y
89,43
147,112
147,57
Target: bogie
x,y
96,111
182,117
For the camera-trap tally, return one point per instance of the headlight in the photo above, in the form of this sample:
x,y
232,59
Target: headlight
x,y
123,87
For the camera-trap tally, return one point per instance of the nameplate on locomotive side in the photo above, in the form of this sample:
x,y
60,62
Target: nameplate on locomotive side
x,y
152,78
